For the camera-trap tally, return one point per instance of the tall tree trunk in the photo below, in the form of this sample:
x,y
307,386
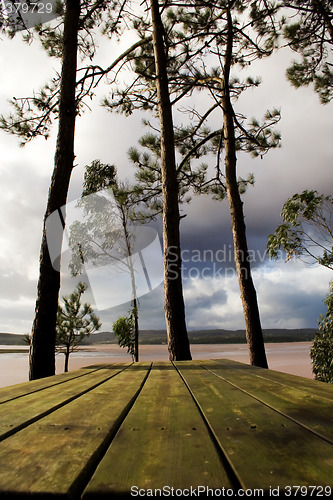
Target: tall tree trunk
x,y
42,358
178,343
248,293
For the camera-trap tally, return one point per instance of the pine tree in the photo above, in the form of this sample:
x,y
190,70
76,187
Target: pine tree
x,y
42,357
233,44
62,98
310,33
174,306
75,321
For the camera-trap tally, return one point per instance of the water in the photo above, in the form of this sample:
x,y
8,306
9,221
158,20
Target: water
x,y
286,357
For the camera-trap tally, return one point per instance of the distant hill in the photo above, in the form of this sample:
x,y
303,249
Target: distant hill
x,y
11,339
157,337
238,336
230,336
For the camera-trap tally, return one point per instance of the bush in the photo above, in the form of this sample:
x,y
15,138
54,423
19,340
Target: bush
x,y
124,329
322,348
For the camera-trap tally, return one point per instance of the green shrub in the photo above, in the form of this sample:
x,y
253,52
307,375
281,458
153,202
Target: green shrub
x,y
322,348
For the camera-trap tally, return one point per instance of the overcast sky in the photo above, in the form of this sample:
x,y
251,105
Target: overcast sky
x,y
290,294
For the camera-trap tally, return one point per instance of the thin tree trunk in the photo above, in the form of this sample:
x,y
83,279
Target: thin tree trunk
x,y
134,296
133,283
42,358
66,359
178,343
136,330
248,293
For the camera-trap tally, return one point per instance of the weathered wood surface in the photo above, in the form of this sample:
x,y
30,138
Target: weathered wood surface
x,y
305,401
16,391
174,442
264,447
100,430
26,409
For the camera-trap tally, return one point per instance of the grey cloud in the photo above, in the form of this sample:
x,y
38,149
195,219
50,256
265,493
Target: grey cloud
x,y
151,312
205,302
293,309
16,285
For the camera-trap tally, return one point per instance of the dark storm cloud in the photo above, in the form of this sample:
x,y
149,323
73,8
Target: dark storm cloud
x,y
205,301
295,299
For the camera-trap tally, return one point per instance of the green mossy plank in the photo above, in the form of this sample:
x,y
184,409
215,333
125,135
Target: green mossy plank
x,y
162,442
320,388
300,402
20,412
52,457
18,390
265,448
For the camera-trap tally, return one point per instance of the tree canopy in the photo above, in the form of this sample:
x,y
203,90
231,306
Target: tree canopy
x,y
307,229
309,32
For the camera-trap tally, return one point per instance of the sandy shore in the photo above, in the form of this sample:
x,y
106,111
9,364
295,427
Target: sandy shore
x,y
285,357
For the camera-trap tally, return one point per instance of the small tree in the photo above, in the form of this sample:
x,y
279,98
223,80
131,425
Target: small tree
x,y
74,322
322,348
27,339
110,209
124,330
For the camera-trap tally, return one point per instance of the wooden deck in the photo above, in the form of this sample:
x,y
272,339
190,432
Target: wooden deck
x,y
110,430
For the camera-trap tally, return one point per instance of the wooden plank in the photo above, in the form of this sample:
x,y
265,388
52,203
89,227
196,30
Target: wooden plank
x,y
264,448
320,388
18,390
52,457
18,413
162,442
300,402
